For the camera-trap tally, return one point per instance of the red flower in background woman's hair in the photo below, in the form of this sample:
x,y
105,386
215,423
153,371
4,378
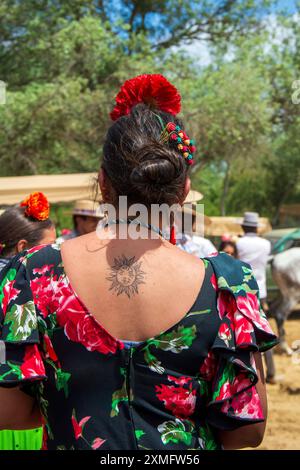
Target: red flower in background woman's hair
x,y
37,206
152,89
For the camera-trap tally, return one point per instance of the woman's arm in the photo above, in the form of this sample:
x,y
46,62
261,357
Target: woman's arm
x,y
249,435
18,410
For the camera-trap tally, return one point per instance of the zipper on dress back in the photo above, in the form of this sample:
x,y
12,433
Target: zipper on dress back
x,y
128,359
129,377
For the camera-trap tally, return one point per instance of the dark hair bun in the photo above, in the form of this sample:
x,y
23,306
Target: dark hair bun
x,y
157,172
139,163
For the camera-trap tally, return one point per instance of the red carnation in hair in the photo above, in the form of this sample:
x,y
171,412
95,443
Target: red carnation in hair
x,y
153,89
37,206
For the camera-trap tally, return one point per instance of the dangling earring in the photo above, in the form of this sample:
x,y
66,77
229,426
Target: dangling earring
x,y
172,230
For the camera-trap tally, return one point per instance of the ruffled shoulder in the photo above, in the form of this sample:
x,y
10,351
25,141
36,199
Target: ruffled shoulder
x,y
243,330
239,306
19,334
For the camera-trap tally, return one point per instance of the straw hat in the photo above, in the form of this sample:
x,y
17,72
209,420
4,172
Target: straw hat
x,y
86,207
193,196
188,209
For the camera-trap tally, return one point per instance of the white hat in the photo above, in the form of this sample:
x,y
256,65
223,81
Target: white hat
x,y
251,219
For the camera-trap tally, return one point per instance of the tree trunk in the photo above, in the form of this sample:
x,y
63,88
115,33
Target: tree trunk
x,y
225,190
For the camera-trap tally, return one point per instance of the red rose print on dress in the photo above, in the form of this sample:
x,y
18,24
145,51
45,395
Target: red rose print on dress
x,y
179,380
90,335
243,329
179,400
9,294
33,365
42,294
225,333
250,308
226,304
209,367
213,281
79,428
79,325
47,268
97,443
228,390
50,353
244,405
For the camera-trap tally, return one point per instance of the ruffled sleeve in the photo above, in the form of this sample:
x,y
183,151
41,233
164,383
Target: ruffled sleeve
x,y
243,330
20,358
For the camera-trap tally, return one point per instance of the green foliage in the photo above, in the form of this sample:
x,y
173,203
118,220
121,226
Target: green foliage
x,y
64,61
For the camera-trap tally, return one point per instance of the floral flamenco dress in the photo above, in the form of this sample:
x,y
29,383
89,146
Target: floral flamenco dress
x,y
18,440
173,391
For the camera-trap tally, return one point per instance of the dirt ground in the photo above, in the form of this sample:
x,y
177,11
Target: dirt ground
x,y
283,427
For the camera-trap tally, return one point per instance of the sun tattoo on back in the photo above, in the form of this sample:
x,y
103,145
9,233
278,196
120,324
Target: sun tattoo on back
x,y
126,275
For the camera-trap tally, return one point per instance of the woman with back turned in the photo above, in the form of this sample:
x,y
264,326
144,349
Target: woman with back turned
x,y
132,343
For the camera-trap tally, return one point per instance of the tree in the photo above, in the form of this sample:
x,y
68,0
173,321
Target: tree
x,y
57,121
228,112
27,28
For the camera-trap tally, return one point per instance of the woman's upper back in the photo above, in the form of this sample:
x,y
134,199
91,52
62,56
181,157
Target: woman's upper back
x,y
134,288
169,392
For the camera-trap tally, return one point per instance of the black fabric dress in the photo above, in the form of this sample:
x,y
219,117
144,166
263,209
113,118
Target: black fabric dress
x,y
172,391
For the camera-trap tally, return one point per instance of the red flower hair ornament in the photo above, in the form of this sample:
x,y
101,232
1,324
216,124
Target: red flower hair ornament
x,y
158,93
37,206
152,89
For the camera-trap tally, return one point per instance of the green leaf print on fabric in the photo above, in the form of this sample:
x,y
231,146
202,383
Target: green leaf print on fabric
x,y
42,325
176,340
244,287
14,369
248,274
62,379
207,440
175,431
22,319
52,321
152,361
119,396
204,388
199,312
139,433
228,375
44,405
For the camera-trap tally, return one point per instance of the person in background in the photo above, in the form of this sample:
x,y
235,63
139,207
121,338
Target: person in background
x,y
255,250
86,215
25,225
229,247
191,243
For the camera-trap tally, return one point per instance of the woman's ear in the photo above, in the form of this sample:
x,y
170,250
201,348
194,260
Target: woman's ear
x,y
187,188
105,186
21,246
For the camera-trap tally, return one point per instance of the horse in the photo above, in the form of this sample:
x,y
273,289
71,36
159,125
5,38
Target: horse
x,y
285,268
